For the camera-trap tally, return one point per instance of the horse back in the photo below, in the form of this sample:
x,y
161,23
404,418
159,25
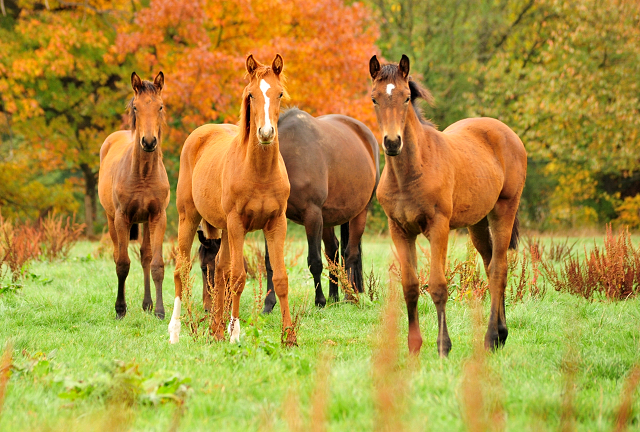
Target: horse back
x,y
201,164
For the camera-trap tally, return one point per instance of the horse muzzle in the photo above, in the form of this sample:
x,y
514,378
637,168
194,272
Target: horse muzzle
x,y
149,146
392,147
266,135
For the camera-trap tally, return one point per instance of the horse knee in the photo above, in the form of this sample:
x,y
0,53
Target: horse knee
x,y
157,271
411,294
281,285
315,265
439,293
122,268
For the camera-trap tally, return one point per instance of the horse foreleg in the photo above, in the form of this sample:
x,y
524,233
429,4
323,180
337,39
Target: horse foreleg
x,y
221,280
481,239
157,228
187,226
275,234
439,238
270,298
122,227
406,246
145,260
238,276
331,249
501,221
353,255
313,227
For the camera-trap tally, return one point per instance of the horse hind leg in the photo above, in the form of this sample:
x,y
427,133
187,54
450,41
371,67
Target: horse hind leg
x,y
270,298
331,246
501,220
313,227
481,239
353,250
145,260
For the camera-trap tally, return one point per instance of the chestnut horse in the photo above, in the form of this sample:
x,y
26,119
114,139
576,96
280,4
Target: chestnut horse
x,y
470,175
133,188
234,180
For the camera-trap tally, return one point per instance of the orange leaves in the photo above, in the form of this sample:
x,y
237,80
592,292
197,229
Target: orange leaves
x,y
201,47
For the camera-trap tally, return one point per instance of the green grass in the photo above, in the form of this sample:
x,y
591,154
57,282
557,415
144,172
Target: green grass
x,y
244,388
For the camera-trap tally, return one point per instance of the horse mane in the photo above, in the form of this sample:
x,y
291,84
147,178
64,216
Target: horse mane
x,y
245,108
390,72
147,88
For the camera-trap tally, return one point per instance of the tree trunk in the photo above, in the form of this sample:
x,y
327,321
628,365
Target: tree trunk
x,y
89,199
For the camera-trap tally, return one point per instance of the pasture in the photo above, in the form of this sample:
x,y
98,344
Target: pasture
x,y
564,366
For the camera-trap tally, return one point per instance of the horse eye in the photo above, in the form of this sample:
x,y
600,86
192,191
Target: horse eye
x,y
281,94
375,102
408,99
250,96
135,109
161,108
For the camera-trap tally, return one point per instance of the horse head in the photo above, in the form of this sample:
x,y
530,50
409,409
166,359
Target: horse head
x,y
261,99
147,111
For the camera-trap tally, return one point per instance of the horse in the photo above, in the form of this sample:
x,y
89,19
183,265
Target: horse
x,y
134,188
469,175
233,179
332,163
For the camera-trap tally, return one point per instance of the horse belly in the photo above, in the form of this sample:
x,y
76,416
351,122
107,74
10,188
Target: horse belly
x,y
470,206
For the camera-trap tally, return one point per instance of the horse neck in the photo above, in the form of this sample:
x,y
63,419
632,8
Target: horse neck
x,y
263,161
409,164
144,164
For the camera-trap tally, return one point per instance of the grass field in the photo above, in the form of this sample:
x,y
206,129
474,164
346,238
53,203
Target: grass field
x,y
564,366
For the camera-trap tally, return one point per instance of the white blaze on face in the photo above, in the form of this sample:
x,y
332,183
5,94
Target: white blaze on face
x,y
174,325
264,86
390,88
234,330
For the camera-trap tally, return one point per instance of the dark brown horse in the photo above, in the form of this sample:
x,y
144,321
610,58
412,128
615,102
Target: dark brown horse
x,y
332,163
470,175
234,180
133,188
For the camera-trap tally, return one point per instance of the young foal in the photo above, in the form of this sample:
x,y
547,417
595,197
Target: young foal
x,y
234,179
471,175
133,188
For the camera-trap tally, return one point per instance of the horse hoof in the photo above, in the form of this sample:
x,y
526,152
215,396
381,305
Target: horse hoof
x,y
147,306
268,308
160,315
444,347
121,311
321,302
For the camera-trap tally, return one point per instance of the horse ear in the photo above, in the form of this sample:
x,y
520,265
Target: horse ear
x,y
251,64
404,67
277,64
136,83
201,237
374,67
159,81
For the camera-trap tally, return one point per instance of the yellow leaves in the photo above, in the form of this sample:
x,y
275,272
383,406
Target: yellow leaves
x,y
629,212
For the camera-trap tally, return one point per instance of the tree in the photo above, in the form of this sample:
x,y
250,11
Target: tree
x,y
59,95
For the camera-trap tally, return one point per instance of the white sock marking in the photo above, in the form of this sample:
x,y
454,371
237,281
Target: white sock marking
x,y
264,86
390,88
174,325
234,330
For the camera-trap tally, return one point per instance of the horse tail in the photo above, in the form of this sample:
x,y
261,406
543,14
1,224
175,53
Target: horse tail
x,y
133,234
515,233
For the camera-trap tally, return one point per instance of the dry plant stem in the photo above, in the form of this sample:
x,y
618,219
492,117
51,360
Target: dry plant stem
x,y
570,364
339,275
320,396
192,317
5,371
626,400
481,391
390,384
